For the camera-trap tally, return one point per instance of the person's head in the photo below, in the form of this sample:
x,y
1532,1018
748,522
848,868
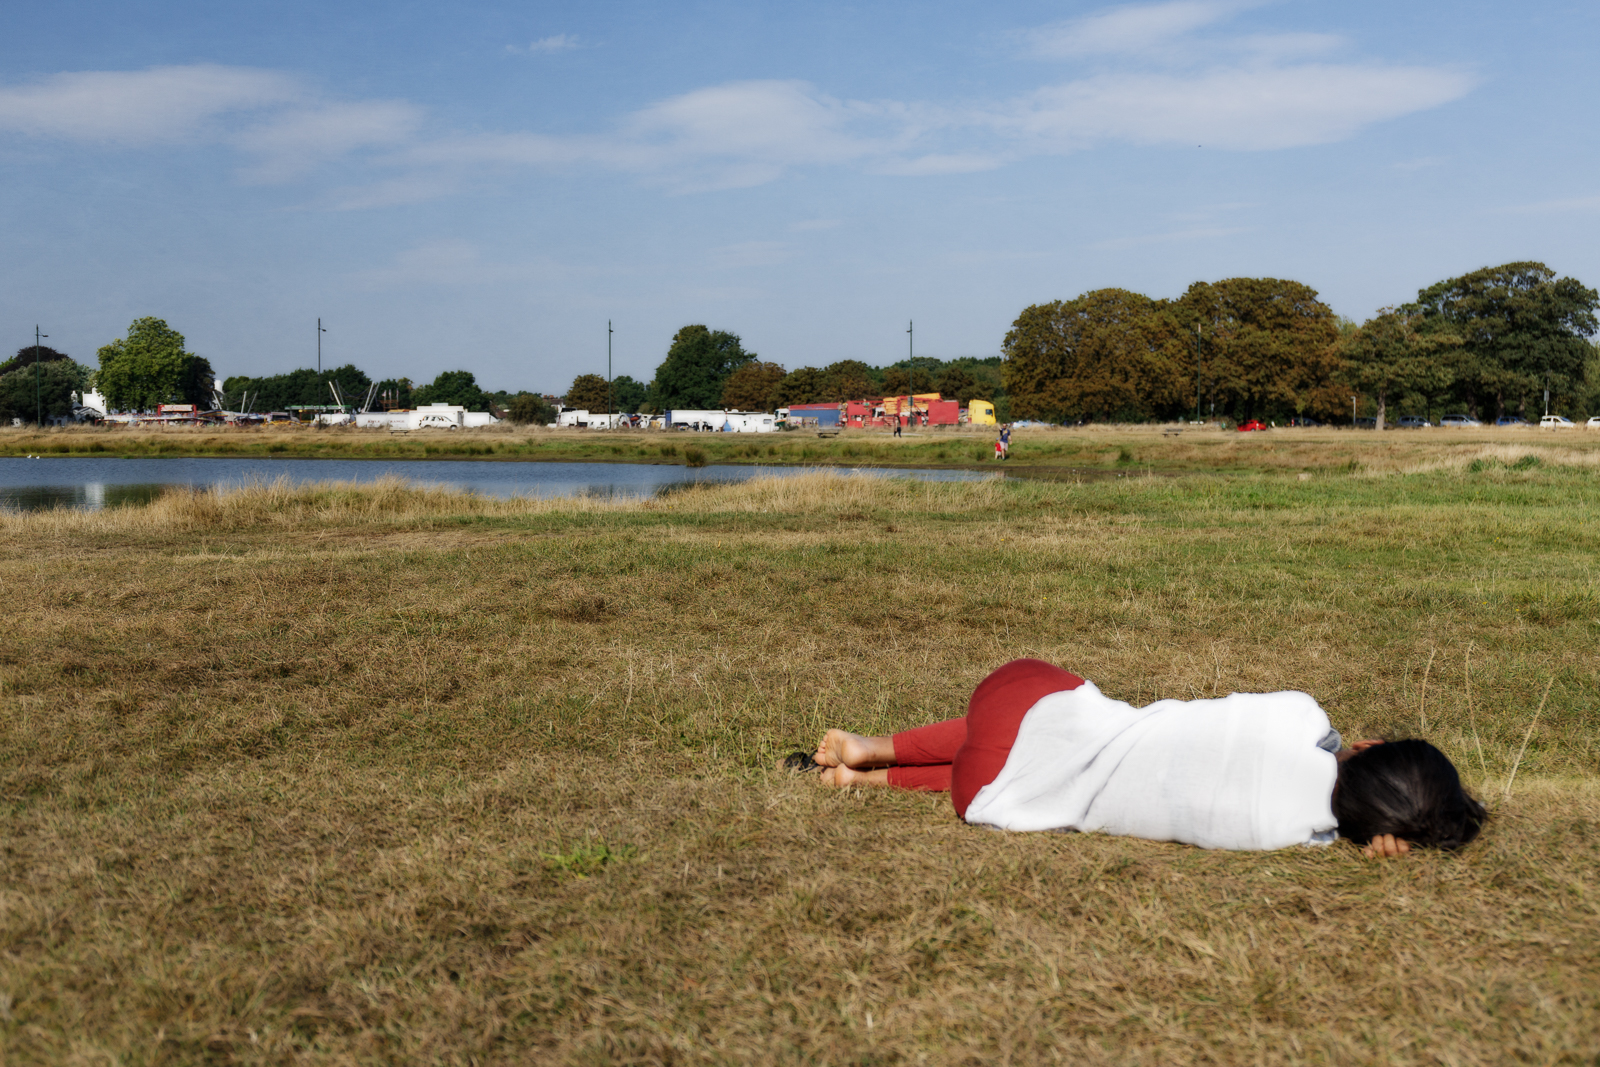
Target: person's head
x,y
1409,789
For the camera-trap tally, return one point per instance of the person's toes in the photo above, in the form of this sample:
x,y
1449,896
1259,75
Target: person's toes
x,y
829,748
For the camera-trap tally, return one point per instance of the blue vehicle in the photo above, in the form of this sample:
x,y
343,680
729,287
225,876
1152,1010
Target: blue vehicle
x,y
1511,421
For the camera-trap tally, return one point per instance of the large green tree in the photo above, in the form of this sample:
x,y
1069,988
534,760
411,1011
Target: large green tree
x,y
628,394
916,374
1109,354
957,382
1269,347
848,379
28,355
27,393
1588,402
752,387
803,385
531,408
697,366
150,367
587,393
1522,330
452,387
1388,356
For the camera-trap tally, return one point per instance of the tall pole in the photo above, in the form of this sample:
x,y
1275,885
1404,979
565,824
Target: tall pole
x,y
39,402
911,360
610,423
320,332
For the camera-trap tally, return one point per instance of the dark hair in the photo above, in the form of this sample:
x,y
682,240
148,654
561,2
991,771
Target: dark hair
x,y
1409,789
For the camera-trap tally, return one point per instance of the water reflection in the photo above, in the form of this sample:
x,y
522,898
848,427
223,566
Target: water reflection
x,y
91,496
97,482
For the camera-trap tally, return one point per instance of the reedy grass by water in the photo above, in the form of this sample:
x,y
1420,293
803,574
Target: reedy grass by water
x,y
378,774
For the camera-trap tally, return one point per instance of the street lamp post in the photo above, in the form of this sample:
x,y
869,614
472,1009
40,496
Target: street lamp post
x,y
320,332
610,420
38,397
1352,412
911,361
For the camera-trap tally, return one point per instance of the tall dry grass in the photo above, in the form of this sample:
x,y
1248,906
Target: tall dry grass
x,y
383,774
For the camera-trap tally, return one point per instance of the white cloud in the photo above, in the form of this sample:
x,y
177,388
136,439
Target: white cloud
x,y
725,136
298,140
159,104
1280,47
1243,109
767,125
286,127
1129,30
561,42
941,163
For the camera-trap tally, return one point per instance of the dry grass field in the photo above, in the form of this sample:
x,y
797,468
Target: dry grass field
x,y
330,775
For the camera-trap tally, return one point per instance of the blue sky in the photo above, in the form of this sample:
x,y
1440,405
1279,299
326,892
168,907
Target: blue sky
x,y
483,185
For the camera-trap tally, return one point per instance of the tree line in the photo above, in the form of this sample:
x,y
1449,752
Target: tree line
x,y
707,369
152,366
1487,343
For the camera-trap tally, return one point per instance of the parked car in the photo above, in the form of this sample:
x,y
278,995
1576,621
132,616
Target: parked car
x,y
1510,421
1413,422
1366,422
1253,424
1458,421
1556,422
1594,422
1301,420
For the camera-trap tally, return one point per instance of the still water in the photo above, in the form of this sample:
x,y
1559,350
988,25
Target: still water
x,y
95,482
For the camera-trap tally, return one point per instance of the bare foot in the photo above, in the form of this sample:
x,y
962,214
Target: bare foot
x,y
845,777
840,748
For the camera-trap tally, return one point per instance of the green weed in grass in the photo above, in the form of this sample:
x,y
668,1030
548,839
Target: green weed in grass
x,y
589,858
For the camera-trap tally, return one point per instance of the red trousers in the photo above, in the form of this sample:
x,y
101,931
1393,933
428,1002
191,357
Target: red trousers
x,y
961,756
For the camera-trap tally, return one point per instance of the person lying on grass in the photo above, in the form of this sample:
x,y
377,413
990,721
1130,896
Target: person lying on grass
x,y
1042,749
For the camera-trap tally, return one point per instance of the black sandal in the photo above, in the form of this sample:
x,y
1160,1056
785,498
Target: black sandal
x,y
802,762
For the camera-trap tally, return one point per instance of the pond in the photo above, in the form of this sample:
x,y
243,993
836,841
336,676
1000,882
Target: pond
x,y
97,482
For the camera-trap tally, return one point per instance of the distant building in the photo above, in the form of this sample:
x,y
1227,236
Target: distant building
x,y
724,421
426,417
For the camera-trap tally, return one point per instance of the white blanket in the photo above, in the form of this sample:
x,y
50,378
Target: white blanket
x,y
1242,772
